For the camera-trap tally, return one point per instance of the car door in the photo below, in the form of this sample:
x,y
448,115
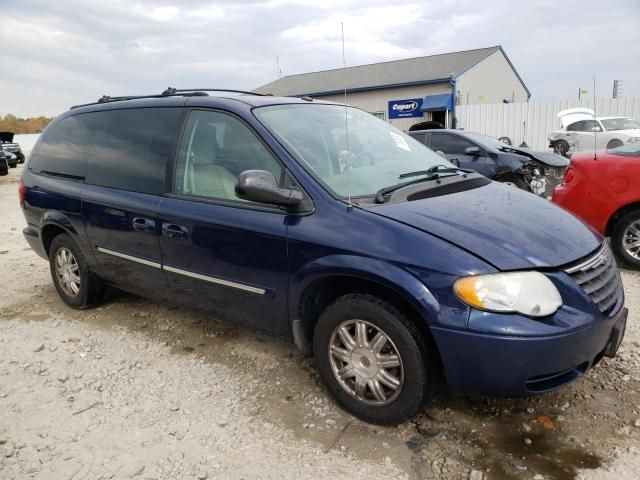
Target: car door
x,y
454,146
221,253
583,134
126,175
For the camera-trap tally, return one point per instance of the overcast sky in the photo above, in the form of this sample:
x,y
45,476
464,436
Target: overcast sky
x,y
59,53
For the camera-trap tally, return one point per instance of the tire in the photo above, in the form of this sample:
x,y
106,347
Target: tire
x,y
561,147
416,373
614,144
626,232
90,290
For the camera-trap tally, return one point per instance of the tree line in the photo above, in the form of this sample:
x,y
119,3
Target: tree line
x,y
11,123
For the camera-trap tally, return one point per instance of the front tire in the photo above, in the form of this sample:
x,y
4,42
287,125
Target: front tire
x,y
75,283
625,239
373,359
614,144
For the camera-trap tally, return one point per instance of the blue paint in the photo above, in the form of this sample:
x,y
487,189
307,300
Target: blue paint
x,y
416,250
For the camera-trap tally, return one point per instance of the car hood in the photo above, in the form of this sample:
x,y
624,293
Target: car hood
x,y
508,228
6,136
548,158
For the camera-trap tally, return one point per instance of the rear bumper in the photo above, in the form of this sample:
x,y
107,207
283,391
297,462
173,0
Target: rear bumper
x,y
503,366
32,236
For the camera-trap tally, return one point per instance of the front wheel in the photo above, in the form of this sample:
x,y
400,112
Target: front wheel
x,y
75,283
625,239
373,359
614,144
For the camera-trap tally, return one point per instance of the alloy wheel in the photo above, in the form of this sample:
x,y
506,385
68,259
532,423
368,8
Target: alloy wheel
x,y
67,272
631,240
366,363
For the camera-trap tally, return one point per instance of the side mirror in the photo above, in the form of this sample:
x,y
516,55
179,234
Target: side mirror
x,y
473,151
596,129
261,186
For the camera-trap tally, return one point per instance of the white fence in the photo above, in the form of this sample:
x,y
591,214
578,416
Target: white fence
x,y
532,121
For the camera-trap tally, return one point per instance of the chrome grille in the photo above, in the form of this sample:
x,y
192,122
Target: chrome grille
x,y
599,278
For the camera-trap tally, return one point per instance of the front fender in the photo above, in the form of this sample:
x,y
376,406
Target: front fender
x,y
365,268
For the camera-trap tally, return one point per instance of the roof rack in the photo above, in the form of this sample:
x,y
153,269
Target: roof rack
x,y
170,92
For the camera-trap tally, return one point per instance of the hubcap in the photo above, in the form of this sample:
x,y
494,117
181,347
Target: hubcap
x,y
67,271
631,240
365,362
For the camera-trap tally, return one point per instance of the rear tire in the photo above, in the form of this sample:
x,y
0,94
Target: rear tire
x,y
388,371
75,283
625,239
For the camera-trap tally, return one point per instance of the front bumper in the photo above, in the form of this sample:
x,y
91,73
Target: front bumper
x,y
510,366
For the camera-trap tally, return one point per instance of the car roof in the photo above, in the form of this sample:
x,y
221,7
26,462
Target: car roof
x,y
210,101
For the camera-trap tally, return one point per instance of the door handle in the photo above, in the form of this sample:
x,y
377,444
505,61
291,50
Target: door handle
x,y
172,230
144,225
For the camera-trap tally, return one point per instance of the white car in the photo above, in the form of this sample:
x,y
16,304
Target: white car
x,y
581,130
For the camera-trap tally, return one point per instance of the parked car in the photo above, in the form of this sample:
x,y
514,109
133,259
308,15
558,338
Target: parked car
x,y
11,159
537,172
392,266
604,191
4,166
580,131
8,145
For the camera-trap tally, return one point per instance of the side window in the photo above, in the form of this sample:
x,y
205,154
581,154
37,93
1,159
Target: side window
x,y
421,137
591,126
576,127
64,147
449,144
133,148
215,149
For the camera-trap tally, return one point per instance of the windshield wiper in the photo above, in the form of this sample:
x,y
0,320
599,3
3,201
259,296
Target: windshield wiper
x,y
431,173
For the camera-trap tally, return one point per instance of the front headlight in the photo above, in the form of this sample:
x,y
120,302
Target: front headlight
x,y
634,139
529,293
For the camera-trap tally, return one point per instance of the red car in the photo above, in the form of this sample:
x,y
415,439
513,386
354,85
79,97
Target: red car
x,y
605,192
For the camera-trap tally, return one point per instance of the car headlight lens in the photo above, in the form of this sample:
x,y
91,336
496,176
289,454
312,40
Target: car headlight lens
x,y
529,293
634,139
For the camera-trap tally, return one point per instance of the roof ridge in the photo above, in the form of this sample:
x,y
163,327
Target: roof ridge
x,y
494,47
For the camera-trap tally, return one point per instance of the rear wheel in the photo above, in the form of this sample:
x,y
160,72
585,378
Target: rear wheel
x,y
373,359
625,239
75,283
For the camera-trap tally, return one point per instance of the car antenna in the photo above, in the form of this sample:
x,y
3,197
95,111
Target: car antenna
x,y
595,133
346,123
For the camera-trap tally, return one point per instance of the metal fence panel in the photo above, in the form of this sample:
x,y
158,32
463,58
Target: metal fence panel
x,y
531,122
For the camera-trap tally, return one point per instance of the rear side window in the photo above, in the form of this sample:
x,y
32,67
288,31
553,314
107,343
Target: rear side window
x,y
133,148
63,148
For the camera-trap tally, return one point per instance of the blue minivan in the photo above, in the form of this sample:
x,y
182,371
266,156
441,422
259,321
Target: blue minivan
x,y
320,223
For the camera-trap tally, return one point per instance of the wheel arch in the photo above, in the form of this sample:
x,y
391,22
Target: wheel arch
x,y
618,214
54,223
325,280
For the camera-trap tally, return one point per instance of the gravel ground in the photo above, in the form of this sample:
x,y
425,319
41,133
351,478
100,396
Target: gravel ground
x,y
135,389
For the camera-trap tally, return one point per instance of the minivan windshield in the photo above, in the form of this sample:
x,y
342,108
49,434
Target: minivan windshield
x,y
325,138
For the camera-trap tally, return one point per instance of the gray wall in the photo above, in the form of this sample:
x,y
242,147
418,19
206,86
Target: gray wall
x,y
490,81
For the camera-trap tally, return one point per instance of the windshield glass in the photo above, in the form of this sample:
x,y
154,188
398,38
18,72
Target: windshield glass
x,y
316,136
620,124
628,150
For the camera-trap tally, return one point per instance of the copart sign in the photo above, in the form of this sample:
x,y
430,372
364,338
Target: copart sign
x,y
405,108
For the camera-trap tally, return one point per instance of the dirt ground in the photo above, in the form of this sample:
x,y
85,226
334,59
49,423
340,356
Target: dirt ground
x,y
141,390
